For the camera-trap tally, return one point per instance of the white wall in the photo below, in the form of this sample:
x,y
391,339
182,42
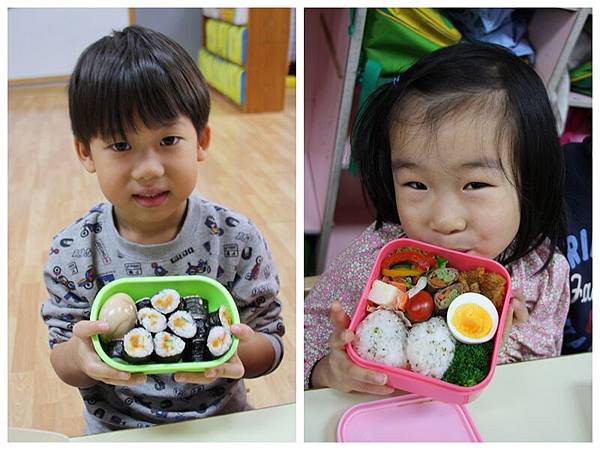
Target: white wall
x,y
44,42
183,25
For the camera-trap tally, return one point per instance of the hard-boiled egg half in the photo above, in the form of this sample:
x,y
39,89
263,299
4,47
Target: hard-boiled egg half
x,y
472,318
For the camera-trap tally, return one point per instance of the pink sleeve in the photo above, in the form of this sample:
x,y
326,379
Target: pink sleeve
x,y
547,297
344,280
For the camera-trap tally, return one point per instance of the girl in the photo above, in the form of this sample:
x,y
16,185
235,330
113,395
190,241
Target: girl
x,y
461,151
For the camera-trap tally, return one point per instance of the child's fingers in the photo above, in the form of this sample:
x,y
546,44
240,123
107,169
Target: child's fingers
x,y
338,317
339,339
192,377
521,315
227,370
135,379
508,323
100,371
242,331
367,376
373,389
89,328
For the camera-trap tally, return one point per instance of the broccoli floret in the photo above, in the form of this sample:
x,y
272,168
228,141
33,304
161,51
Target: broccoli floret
x,y
470,364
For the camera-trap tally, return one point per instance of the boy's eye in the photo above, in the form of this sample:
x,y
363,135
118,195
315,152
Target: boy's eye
x,y
170,140
120,146
475,185
416,185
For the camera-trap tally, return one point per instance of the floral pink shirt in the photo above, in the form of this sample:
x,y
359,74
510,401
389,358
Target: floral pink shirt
x,y
546,294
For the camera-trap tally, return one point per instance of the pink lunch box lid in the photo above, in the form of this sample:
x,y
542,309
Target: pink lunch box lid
x,y
407,418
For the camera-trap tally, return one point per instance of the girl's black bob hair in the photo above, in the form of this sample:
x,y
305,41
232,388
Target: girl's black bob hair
x,y
465,72
134,76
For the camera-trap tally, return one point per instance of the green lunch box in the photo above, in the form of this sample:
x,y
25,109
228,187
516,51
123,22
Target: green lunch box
x,y
211,290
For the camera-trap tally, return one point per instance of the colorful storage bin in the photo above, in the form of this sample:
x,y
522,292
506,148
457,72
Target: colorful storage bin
x,y
226,77
226,40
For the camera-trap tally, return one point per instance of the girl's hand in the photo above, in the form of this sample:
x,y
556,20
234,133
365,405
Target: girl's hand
x,y
517,314
337,370
234,368
88,361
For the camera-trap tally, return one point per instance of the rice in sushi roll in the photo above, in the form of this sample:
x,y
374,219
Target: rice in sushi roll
x,y
196,307
166,301
220,318
182,324
143,303
430,347
219,341
138,346
152,320
168,347
381,337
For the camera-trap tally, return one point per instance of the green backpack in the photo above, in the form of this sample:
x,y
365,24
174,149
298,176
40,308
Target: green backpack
x,y
395,38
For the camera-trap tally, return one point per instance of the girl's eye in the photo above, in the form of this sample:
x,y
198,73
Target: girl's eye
x,y
416,185
475,185
120,146
170,140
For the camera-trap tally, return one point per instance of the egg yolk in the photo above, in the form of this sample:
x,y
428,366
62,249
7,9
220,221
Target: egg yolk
x,y
472,321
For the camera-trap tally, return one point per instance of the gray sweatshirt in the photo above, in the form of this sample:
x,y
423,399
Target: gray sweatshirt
x,y
214,241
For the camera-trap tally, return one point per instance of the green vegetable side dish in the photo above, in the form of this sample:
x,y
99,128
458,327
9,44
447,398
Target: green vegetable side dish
x,y
211,290
470,365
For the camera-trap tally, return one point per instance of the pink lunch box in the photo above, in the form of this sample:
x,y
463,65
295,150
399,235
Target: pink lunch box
x,y
413,382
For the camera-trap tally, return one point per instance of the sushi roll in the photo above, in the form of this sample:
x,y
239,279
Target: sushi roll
x,y
143,303
219,341
115,349
220,318
182,324
444,297
138,346
168,347
195,350
196,307
166,301
152,320
202,328
441,278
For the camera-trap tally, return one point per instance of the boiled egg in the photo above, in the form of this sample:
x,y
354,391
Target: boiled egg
x,y
472,318
120,313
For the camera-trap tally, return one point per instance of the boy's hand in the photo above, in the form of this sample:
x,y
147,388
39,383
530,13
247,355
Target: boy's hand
x,y
234,368
517,314
90,363
337,370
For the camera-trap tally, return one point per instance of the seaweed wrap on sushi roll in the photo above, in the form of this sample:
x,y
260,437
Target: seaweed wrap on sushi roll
x,y
196,351
115,349
219,341
196,307
220,318
182,324
168,347
138,346
166,301
152,320
143,303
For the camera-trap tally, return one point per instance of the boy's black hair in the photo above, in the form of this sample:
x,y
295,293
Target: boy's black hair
x,y
132,75
448,81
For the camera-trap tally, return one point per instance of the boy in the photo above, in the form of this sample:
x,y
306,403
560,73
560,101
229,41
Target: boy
x,y
139,110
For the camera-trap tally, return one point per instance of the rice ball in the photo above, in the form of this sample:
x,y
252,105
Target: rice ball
x,y
381,337
430,347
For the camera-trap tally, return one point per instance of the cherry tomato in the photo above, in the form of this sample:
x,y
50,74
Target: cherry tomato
x,y
420,307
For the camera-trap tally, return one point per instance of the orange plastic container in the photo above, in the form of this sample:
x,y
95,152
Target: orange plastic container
x,y
416,383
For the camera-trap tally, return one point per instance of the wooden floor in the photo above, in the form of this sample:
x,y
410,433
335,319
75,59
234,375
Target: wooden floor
x,y
251,169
